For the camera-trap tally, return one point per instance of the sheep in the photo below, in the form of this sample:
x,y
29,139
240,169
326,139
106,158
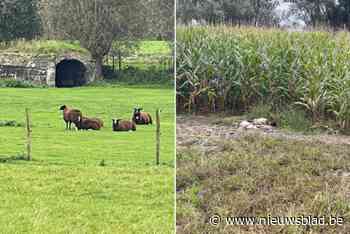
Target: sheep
x,y
89,123
71,116
98,121
140,117
123,125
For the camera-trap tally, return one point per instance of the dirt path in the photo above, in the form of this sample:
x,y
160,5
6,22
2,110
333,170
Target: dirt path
x,y
204,132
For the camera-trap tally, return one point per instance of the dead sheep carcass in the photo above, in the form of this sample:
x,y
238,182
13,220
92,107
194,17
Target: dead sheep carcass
x,y
140,117
123,125
71,116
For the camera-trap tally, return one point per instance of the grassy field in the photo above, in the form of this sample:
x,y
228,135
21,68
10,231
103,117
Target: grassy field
x,y
65,189
154,48
150,55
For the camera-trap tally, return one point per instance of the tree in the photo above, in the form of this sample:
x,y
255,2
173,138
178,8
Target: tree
x,y
122,49
97,23
254,12
94,23
160,17
19,19
333,13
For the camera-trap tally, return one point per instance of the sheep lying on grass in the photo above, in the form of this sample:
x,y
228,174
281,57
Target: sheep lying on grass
x,y
140,117
71,116
89,123
123,125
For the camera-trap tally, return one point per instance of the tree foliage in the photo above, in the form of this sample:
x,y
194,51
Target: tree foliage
x,y
255,12
333,13
18,19
97,23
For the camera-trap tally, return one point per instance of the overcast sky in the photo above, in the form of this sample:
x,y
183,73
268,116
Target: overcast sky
x,y
293,19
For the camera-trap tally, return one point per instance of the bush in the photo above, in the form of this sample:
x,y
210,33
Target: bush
x,y
10,123
134,75
10,83
295,119
260,111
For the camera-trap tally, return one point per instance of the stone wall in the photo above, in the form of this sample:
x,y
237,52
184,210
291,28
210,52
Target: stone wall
x,y
39,69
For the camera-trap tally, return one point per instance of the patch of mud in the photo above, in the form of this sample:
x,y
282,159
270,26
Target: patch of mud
x,y
203,132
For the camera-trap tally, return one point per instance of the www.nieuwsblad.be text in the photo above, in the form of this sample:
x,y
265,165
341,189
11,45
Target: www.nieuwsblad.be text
x,y
216,220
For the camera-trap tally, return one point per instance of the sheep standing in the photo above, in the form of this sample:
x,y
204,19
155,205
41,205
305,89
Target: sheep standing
x,y
140,117
123,125
89,123
71,116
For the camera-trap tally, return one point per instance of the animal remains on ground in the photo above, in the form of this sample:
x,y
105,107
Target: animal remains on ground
x,y
140,117
71,116
89,123
123,125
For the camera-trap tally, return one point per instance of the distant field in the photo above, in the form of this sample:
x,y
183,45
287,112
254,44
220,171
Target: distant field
x,y
154,47
64,189
150,54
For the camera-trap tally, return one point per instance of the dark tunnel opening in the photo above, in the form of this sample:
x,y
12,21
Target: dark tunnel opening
x,y
70,73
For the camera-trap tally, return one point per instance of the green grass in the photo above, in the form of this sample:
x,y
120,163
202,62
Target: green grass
x,y
256,176
146,48
154,48
151,63
64,189
44,47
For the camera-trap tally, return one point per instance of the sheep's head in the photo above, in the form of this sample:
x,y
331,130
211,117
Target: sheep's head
x,y
63,107
137,113
115,122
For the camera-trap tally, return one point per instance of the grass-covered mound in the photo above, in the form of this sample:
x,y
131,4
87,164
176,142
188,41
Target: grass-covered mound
x,y
43,47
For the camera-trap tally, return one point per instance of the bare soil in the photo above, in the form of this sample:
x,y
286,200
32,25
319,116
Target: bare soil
x,y
205,131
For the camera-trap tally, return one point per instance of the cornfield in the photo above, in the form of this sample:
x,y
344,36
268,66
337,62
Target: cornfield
x,y
224,68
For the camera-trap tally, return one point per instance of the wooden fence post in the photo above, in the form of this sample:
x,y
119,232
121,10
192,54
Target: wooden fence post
x,y
157,137
29,135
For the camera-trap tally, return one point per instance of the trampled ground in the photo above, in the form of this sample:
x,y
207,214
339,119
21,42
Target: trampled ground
x,y
250,173
65,189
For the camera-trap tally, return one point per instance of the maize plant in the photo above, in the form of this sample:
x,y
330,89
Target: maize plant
x,y
232,68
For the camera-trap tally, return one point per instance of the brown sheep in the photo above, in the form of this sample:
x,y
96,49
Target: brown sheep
x,y
123,125
100,121
89,123
140,117
70,116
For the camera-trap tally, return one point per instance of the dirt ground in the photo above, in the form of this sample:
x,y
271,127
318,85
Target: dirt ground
x,y
205,131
